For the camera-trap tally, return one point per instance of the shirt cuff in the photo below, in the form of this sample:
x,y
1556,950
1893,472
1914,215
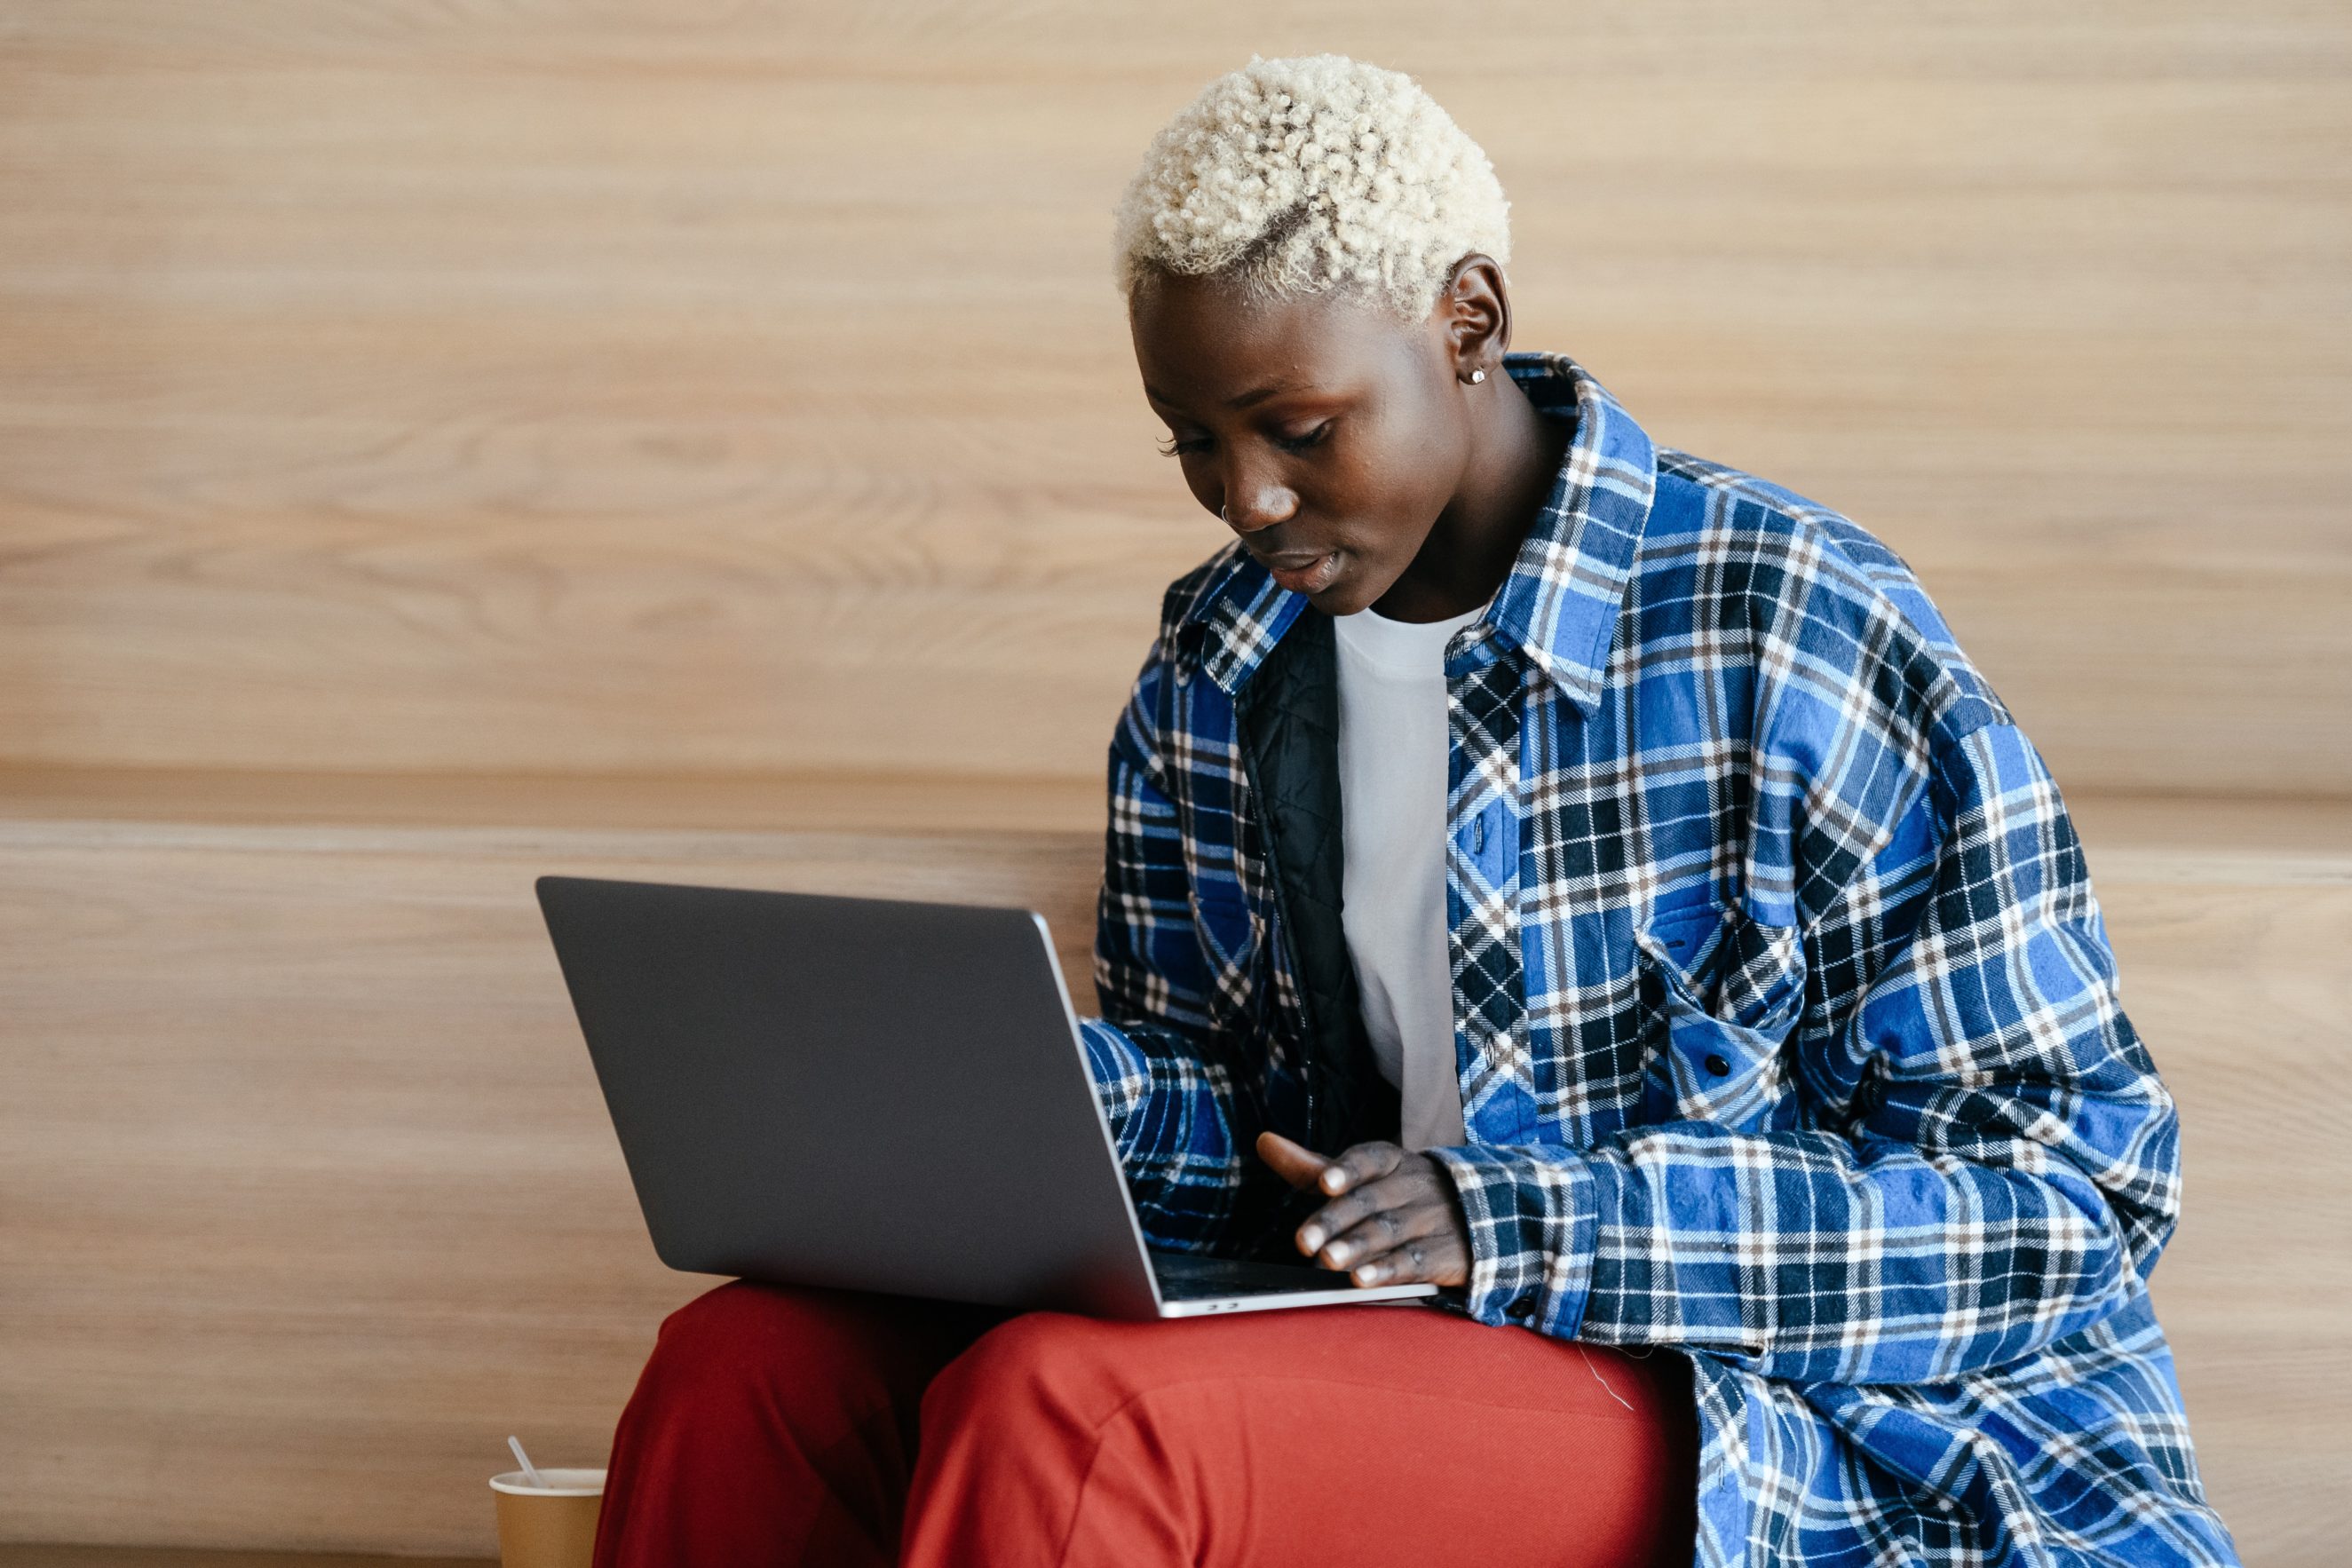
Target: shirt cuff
x,y
1533,1220
1121,1076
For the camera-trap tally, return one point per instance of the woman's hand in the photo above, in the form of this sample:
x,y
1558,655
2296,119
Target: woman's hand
x,y
1393,1218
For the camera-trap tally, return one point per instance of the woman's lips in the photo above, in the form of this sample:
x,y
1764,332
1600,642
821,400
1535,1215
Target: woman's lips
x,y
1310,577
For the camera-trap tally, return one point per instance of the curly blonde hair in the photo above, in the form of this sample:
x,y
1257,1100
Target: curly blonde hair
x,y
1305,175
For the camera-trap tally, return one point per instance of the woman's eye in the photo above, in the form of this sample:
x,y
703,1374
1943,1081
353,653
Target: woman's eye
x,y
1177,446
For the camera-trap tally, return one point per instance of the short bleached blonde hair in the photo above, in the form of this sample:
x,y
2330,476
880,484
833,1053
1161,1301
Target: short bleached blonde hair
x,y
1306,175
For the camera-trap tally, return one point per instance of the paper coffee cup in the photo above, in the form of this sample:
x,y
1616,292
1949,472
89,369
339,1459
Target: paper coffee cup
x,y
553,1526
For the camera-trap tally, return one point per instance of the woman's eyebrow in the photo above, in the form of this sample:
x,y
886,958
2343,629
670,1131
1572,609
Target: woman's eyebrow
x,y
1260,394
1255,394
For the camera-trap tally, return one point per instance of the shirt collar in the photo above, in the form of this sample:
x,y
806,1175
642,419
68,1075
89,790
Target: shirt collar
x,y
1560,603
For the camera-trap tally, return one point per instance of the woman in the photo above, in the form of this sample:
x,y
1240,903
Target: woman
x,y
1556,867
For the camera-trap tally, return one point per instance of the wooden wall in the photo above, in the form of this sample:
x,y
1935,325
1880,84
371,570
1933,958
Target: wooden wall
x,y
443,441
497,385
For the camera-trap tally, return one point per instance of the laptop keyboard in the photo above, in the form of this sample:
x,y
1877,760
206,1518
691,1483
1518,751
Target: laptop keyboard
x,y
1192,1276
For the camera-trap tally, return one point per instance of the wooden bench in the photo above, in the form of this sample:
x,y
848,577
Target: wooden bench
x,y
307,1198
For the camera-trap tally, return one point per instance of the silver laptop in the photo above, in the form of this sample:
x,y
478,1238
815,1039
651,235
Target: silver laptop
x,y
874,1095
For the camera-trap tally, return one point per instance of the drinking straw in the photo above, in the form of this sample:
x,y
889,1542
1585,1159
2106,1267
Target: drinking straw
x,y
529,1469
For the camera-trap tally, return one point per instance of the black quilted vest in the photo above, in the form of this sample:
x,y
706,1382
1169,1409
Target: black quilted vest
x,y
1287,714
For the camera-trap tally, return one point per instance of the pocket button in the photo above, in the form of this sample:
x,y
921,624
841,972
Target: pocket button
x,y
1716,1064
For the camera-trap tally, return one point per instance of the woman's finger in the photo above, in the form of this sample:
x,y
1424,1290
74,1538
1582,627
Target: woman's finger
x,y
1439,1259
1293,1163
1384,1230
1361,1164
1342,1215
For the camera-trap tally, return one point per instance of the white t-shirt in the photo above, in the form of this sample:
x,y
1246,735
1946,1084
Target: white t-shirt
x,y
1393,738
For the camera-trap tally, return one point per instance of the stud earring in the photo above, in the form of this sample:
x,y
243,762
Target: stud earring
x,y
1477,376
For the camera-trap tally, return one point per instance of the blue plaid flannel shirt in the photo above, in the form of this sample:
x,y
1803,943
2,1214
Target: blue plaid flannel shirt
x,y
1786,1020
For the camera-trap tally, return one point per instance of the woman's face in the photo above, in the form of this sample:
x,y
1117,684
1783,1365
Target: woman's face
x,y
1328,432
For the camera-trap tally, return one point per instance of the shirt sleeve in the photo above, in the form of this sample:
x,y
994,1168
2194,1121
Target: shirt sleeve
x,y
2004,1171
1180,1117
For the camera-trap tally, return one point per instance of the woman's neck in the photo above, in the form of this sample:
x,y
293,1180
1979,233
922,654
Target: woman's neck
x,y
1516,454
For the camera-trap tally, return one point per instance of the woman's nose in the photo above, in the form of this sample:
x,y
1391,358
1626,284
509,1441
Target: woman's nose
x,y
1250,505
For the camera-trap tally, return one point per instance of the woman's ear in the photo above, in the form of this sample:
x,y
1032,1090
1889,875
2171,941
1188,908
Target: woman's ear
x,y
1473,318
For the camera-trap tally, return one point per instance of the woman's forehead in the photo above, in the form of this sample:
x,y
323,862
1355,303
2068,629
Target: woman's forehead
x,y
1206,347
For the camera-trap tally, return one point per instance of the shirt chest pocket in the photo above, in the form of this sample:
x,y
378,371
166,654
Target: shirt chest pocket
x,y
1228,927
1724,993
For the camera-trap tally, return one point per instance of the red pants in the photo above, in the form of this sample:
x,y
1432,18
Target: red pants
x,y
788,1425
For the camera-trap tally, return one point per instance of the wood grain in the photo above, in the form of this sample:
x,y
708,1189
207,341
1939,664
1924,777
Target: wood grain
x,y
473,386
2241,991
310,1196
443,441
900,805
311,1199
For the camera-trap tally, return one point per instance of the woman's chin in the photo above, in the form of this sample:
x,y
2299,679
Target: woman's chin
x,y
1340,599
1350,591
